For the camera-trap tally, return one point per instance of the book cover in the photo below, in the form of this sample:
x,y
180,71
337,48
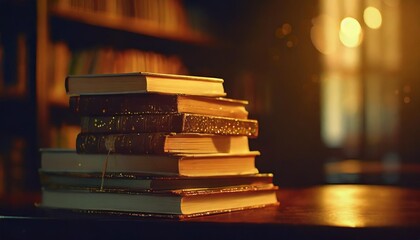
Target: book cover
x,y
131,104
142,82
145,183
177,123
174,202
160,143
190,165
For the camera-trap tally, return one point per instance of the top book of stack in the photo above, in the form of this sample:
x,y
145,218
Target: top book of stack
x,y
144,82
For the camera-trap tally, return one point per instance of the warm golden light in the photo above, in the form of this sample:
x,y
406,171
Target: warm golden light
x,y
345,204
324,34
350,32
359,105
372,17
332,128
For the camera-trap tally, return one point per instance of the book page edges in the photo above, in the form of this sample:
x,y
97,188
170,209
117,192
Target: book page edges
x,y
178,155
146,74
102,213
142,176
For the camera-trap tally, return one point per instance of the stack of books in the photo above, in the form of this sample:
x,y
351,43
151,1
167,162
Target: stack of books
x,y
158,145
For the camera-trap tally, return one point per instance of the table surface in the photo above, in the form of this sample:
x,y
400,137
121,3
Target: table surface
x,y
319,212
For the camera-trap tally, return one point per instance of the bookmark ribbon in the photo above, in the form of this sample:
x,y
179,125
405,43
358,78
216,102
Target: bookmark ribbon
x,y
105,166
110,146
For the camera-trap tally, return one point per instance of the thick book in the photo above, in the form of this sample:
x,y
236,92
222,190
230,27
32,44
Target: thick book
x,y
177,123
141,182
62,160
143,82
160,143
129,104
182,203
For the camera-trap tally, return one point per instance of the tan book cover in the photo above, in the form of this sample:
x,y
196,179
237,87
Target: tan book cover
x,y
143,82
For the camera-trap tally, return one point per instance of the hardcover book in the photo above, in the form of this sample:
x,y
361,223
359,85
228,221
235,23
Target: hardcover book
x,y
129,104
143,82
177,123
159,143
142,182
181,203
57,160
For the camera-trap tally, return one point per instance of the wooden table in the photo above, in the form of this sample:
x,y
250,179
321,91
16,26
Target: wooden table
x,y
321,212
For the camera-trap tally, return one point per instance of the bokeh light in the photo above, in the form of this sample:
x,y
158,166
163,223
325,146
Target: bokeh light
x,y
350,32
324,34
284,30
372,17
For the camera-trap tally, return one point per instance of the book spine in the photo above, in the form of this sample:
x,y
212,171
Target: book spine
x,y
121,143
178,123
127,104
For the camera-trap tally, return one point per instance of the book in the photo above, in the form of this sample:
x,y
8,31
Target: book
x,y
142,82
181,203
177,123
160,143
141,182
130,104
220,164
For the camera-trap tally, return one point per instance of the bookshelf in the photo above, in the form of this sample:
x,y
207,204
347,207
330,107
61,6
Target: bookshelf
x,y
105,37
128,24
17,98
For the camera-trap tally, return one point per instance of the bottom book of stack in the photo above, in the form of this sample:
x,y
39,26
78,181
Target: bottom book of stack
x,y
145,194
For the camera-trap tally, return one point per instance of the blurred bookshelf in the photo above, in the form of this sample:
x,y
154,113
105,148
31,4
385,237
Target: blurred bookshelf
x,y
41,42
166,25
17,102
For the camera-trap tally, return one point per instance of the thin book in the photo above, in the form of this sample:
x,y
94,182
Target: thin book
x,y
160,143
144,182
178,123
152,103
189,165
144,82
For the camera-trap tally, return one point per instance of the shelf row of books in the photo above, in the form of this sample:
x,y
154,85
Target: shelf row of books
x,y
104,60
169,15
155,145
